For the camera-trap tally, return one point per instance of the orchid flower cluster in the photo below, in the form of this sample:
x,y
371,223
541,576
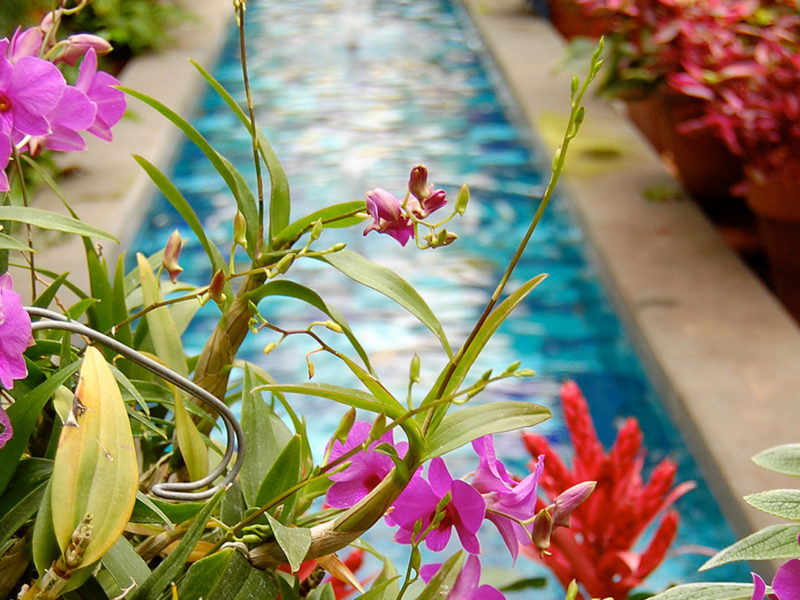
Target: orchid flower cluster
x,y
429,509
39,110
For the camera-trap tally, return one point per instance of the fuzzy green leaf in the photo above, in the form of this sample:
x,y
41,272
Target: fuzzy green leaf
x,y
707,591
470,423
781,503
782,459
771,543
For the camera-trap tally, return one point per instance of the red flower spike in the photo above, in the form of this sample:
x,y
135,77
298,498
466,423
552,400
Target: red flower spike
x,y
597,548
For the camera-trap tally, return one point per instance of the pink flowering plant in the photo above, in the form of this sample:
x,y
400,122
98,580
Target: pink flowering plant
x,y
111,482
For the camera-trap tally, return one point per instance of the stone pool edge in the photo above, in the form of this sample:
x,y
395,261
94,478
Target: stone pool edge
x,y
718,346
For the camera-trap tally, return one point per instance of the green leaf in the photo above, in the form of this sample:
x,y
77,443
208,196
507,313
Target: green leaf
x,y
27,498
470,423
453,375
265,435
285,473
322,592
23,415
385,586
46,297
771,543
782,459
95,470
185,210
125,565
294,541
190,442
707,591
391,285
781,503
46,219
337,215
163,332
245,200
162,517
343,395
173,565
442,583
233,506
9,243
174,513
44,545
279,202
291,289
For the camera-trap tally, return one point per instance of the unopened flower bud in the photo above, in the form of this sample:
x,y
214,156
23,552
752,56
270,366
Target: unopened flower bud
x,y
316,230
542,529
76,46
414,370
443,238
283,264
462,200
345,425
270,347
569,500
216,287
171,253
378,427
310,366
240,230
418,182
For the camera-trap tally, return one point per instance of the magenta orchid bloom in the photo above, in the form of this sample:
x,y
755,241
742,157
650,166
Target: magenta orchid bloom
x,y
505,496
419,502
423,200
25,43
73,113
6,431
467,583
97,85
15,334
366,469
785,585
76,46
388,216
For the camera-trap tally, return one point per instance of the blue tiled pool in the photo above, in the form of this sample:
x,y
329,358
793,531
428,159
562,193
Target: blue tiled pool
x,y
351,95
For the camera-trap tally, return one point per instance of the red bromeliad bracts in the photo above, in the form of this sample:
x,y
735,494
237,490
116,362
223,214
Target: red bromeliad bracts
x,y
596,550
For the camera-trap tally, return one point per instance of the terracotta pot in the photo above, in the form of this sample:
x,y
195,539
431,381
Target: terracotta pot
x,y
775,201
702,162
648,115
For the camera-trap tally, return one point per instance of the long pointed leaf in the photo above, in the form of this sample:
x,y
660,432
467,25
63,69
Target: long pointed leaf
x,y
342,395
279,202
46,219
233,178
337,215
451,377
470,423
775,542
391,285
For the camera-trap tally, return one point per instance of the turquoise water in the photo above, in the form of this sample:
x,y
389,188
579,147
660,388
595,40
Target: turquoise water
x,y
352,95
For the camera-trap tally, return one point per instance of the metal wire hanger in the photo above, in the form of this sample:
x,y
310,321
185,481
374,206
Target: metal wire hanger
x,y
235,436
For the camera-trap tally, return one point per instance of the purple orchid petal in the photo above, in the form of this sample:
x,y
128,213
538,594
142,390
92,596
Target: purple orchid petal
x,y
34,89
439,477
759,587
73,113
6,431
387,216
466,586
786,583
437,539
110,102
15,334
468,508
25,43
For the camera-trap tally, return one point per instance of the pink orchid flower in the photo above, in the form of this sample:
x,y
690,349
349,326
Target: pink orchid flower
x,y
15,334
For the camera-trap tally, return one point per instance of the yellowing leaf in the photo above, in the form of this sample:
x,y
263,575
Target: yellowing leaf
x,y
95,471
190,442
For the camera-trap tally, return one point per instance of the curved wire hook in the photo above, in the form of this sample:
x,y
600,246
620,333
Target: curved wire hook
x,y
235,434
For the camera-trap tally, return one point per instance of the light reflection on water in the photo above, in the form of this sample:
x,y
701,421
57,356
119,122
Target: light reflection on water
x,y
351,101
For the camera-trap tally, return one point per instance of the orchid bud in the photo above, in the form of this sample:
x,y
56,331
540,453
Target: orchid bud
x,y
25,43
240,230
345,425
316,229
462,200
216,287
76,46
542,528
270,347
171,253
414,371
418,182
378,427
283,264
569,500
